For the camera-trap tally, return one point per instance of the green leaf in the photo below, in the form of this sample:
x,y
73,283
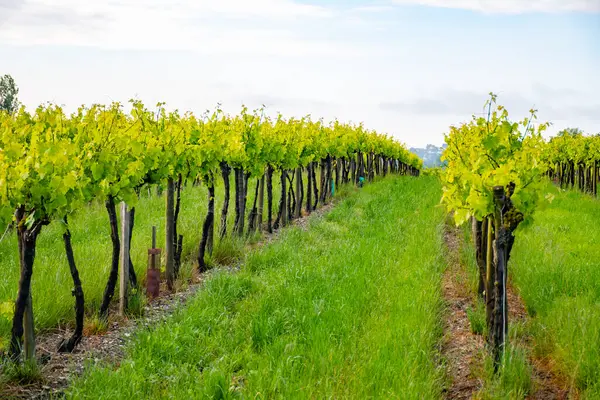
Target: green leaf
x,y
97,171
30,220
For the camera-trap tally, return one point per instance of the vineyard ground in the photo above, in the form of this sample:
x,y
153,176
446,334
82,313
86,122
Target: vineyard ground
x,y
61,368
349,307
553,298
555,267
52,282
351,304
523,374
461,348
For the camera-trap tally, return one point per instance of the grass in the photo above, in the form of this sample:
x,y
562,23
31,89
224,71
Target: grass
x,y
51,284
513,380
349,308
556,266
20,373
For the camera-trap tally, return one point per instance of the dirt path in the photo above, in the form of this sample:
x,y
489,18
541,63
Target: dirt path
x,y
461,348
59,369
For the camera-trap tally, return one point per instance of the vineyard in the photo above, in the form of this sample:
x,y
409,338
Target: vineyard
x,y
360,299
53,164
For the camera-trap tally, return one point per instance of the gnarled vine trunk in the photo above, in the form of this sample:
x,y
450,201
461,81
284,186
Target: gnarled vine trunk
x,y
309,188
67,346
22,324
132,275
208,221
109,290
225,172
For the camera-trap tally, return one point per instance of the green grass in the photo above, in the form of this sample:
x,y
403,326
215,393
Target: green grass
x,y
556,266
513,380
349,308
51,284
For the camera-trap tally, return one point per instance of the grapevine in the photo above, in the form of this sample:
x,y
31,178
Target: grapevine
x,y
52,164
494,178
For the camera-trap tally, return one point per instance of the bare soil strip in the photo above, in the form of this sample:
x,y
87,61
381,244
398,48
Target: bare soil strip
x,y
461,347
59,369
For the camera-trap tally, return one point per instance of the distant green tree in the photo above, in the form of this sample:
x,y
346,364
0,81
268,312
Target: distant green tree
x,y
570,132
8,94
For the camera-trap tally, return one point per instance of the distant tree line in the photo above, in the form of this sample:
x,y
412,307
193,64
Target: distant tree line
x,y
430,155
8,94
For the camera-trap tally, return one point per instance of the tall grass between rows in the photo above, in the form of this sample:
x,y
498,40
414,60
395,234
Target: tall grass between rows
x,y
556,267
51,284
514,377
349,308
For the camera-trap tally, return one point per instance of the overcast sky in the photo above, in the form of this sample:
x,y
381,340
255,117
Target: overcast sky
x,y
408,68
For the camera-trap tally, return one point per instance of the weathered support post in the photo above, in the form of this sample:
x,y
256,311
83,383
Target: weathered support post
x,y
169,234
500,319
123,283
261,202
477,227
283,207
595,178
489,275
153,271
298,194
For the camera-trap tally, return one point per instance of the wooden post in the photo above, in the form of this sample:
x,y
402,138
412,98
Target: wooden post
x,y
477,229
489,276
124,259
153,271
169,234
499,329
595,179
284,213
261,202
298,199
153,236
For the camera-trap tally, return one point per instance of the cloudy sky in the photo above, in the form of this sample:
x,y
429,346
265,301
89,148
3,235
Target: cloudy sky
x,y
409,68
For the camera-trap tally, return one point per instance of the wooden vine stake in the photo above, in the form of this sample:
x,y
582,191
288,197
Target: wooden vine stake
x,y
153,271
501,243
170,234
123,283
490,274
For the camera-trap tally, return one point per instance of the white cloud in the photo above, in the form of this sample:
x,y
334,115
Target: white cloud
x,y
371,9
205,26
298,59
512,6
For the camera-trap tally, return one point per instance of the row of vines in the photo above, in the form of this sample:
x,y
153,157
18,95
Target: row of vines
x,y
494,180
52,164
574,160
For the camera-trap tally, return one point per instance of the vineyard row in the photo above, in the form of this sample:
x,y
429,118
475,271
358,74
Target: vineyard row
x,y
52,164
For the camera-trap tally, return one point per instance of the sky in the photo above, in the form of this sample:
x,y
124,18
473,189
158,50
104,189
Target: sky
x,y
408,68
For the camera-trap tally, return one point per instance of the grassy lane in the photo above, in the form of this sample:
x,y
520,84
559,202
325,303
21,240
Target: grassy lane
x,y
556,266
349,308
